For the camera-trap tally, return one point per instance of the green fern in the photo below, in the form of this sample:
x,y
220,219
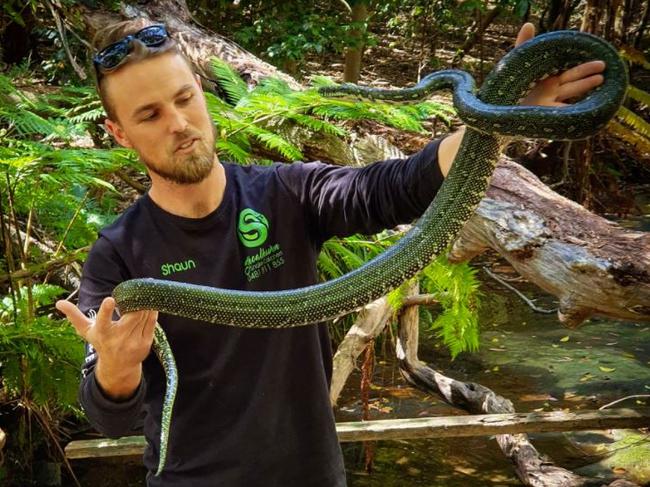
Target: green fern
x,y
248,118
631,119
229,80
39,357
633,55
456,287
638,95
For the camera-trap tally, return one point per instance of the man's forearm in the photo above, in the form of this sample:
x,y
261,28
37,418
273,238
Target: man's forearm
x,y
447,150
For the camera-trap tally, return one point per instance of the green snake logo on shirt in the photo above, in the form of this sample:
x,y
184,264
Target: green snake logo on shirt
x,y
253,228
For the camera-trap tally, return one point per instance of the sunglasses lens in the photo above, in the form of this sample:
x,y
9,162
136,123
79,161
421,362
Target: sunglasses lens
x,y
152,36
112,55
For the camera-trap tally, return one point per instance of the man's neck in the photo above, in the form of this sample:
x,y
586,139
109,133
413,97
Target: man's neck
x,y
190,200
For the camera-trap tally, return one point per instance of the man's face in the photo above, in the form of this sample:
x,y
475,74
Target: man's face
x,y
162,115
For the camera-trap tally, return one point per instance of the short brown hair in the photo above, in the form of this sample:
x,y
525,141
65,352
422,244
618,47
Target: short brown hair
x,y
113,33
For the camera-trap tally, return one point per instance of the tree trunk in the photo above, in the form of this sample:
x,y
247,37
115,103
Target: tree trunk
x,y
476,33
559,18
643,25
614,12
592,15
353,54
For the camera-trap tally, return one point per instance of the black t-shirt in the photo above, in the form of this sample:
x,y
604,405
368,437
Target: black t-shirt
x,y
252,407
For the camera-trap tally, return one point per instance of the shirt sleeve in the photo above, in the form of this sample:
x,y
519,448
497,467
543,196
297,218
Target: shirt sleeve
x,y
102,271
343,200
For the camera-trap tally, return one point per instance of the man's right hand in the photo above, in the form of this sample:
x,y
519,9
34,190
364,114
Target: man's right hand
x,y
121,346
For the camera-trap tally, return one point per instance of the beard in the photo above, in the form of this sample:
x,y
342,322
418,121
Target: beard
x,y
189,168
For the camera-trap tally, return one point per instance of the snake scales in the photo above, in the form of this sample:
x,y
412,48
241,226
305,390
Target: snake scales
x,y
490,116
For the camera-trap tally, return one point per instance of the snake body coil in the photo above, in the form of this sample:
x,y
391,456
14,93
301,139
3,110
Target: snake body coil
x,y
490,117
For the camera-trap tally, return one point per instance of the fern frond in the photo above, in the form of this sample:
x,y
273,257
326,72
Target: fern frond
x,y
318,125
633,120
639,142
638,95
456,288
228,80
233,151
328,266
275,142
272,85
633,55
352,259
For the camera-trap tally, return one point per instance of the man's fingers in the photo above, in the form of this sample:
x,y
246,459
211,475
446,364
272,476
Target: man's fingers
x,y
137,323
526,33
578,88
147,331
74,316
582,71
105,313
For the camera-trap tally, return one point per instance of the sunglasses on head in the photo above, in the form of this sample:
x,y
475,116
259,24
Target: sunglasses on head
x,y
112,56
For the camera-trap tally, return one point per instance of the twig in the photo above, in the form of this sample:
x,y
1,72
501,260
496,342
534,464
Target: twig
x,y
565,166
623,399
44,266
346,5
59,27
65,233
4,230
69,26
420,300
139,187
28,229
12,215
526,300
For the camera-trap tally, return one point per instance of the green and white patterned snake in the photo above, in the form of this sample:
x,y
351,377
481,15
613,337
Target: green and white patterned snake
x,y
491,117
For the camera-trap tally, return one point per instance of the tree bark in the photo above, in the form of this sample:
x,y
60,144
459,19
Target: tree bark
x,y
594,267
353,54
594,11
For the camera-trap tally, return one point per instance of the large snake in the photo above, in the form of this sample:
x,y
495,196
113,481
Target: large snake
x,y
490,117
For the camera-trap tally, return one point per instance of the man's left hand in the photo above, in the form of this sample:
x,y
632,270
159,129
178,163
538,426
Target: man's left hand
x,y
554,91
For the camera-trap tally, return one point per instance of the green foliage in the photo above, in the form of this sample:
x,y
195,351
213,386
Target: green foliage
x,y
39,370
456,287
258,117
288,31
639,95
39,357
46,178
250,118
46,173
640,126
634,56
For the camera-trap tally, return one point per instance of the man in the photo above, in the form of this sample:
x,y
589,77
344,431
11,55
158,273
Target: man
x,y
252,407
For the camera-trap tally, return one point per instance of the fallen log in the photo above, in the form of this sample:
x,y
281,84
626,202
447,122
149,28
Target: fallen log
x,y
595,267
